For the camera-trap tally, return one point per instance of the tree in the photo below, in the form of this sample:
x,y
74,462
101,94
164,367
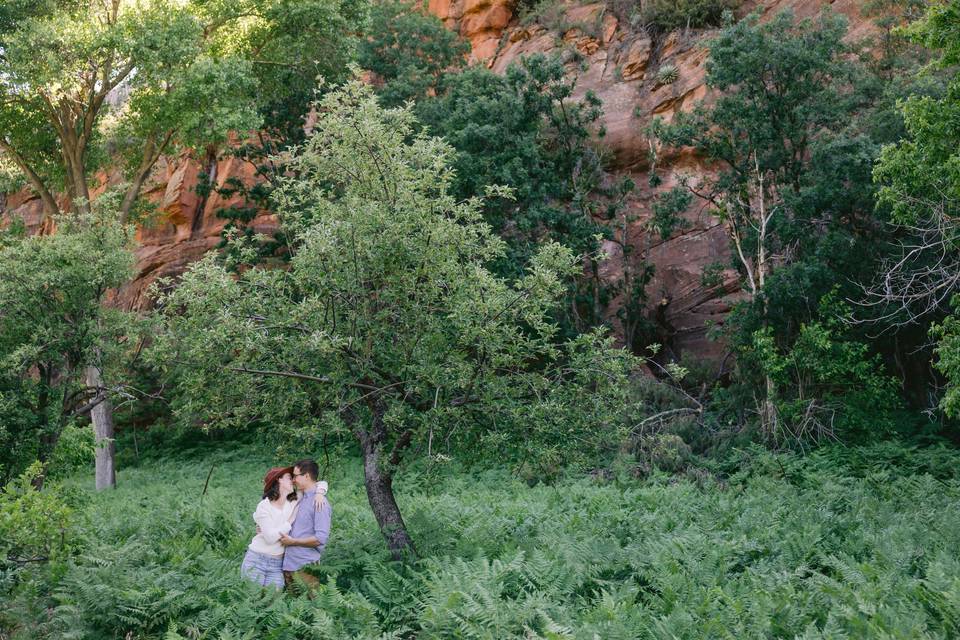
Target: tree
x,y
919,183
792,185
387,326
66,65
522,129
409,50
289,44
52,322
525,130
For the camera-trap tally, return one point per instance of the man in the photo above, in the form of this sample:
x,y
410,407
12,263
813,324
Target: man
x,y
308,536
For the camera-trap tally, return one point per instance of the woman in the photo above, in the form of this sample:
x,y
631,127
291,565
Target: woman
x,y
274,515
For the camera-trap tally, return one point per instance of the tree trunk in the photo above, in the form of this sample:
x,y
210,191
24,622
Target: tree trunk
x,y
379,485
102,418
768,412
378,480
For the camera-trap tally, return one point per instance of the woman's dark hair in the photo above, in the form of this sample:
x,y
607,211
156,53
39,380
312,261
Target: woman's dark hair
x,y
273,492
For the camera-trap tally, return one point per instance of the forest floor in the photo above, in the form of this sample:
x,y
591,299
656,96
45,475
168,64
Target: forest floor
x,y
841,544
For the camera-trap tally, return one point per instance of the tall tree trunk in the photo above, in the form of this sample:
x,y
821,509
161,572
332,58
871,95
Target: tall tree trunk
x,y
379,485
152,151
102,417
378,480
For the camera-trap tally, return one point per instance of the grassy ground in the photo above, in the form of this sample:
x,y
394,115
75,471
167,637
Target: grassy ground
x,y
812,548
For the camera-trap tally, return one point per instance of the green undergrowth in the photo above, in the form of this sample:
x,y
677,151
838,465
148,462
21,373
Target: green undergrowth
x,y
846,543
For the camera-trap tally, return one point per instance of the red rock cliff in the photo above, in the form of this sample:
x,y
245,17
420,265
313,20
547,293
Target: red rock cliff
x,y
616,62
619,64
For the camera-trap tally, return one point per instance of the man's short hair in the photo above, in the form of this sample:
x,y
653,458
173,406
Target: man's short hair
x,y
308,467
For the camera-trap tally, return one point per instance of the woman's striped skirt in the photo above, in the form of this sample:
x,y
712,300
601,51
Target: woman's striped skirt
x,y
263,569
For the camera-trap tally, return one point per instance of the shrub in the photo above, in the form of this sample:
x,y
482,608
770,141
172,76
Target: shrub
x,y
409,50
666,15
75,451
827,385
663,451
33,522
668,74
948,358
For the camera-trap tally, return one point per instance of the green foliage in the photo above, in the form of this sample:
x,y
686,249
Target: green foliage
x,y
88,83
388,326
795,131
525,131
409,50
521,130
34,524
667,74
847,542
667,15
919,183
914,171
828,385
781,85
712,275
948,359
74,451
51,322
784,100
667,209
289,43
664,452
292,44
890,16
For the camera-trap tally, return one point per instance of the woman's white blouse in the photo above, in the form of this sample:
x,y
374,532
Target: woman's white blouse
x,y
272,523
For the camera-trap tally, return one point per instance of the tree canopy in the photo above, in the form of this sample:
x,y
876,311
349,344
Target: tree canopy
x,y
388,325
149,64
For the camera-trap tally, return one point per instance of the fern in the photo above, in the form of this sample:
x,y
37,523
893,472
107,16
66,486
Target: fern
x,y
827,546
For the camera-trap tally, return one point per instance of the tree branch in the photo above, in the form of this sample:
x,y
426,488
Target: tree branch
x,y
49,203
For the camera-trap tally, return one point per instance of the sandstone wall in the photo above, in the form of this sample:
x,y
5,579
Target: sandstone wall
x,y
619,64
616,62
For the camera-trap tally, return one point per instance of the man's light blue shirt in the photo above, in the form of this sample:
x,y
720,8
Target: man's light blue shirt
x,y
309,523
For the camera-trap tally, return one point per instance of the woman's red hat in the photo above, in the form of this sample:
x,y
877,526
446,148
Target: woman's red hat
x,y
273,475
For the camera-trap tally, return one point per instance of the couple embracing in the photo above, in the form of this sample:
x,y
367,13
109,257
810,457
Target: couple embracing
x,y
293,524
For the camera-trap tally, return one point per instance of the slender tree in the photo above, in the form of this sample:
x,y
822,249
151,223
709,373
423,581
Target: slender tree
x,y
52,320
84,83
780,87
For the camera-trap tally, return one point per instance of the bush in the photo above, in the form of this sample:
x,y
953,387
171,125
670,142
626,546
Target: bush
x,y
409,50
37,536
826,384
74,452
663,451
948,358
33,522
666,15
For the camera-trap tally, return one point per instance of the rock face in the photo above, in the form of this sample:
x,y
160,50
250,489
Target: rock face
x,y
624,67
184,227
638,78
